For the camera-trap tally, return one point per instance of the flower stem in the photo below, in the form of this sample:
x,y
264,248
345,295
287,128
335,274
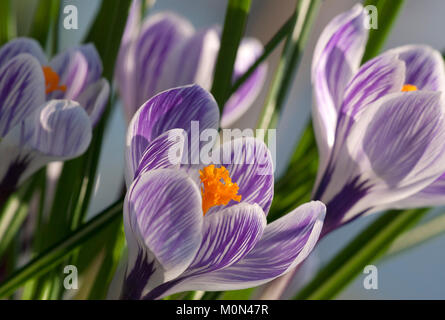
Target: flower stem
x,y
234,25
365,248
60,250
306,11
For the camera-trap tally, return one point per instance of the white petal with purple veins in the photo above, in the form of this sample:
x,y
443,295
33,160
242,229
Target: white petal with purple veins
x,y
57,130
163,152
163,224
125,65
393,151
336,58
228,235
431,196
285,243
173,109
250,166
22,90
191,61
21,45
159,35
424,67
72,68
94,99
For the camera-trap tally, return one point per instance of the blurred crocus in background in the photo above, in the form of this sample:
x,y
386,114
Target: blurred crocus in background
x,y
166,52
203,226
36,126
380,127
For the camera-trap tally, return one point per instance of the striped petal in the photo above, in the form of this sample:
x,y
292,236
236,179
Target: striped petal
x,y
163,152
22,90
228,236
424,67
158,36
94,99
94,62
191,61
125,65
285,243
393,151
336,59
431,196
78,68
250,165
163,226
376,78
238,103
178,108
21,45
57,130
72,68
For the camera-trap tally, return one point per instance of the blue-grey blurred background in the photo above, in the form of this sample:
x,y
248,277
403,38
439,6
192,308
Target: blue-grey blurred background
x,y
416,274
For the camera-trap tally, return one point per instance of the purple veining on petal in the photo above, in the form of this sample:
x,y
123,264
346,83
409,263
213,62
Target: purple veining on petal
x,y
401,133
157,292
285,243
250,165
228,236
160,152
176,108
162,215
72,68
21,91
59,128
19,46
424,67
338,206
138,278
159,35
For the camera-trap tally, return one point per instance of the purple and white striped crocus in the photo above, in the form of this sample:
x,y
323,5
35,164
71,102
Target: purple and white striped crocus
x,y
46,108
379,127
203,226
166,52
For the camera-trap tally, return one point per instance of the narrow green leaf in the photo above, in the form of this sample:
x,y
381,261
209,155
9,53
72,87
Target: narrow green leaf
x,y
387,14
46,18
364,249
306,11
268,49
7,21
45,261
234,24
295,185
417,236
14,213
106,32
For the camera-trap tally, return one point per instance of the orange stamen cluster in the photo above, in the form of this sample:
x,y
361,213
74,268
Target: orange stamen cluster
x,y
52,80
409,87
217,187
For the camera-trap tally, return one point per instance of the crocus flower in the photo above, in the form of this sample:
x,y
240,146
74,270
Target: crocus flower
x,y
203,226
46,109
74,74
166,52
379,127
